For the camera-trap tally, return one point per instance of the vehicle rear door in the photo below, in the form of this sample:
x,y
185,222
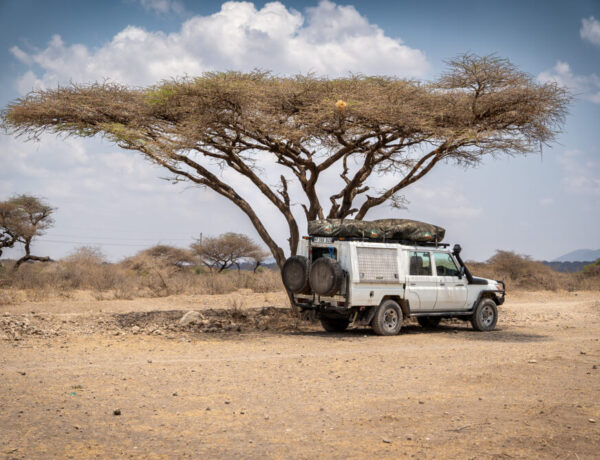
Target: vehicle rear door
x,y
421,284
452,290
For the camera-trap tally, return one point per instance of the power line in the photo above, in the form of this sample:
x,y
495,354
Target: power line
x,y
120,238
93,243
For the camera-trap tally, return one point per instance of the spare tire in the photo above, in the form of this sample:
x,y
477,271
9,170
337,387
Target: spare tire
x,y
326,276
295,274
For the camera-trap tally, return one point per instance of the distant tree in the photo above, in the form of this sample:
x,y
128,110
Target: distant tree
x,y
512,264
23,218
161,255
224,251
10,224
357,127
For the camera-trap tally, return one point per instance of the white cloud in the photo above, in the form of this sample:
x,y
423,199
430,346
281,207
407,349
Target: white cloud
x,y
586,86
445,200
163,6
581,173
590,30
328,39
21,55
103,195
101,189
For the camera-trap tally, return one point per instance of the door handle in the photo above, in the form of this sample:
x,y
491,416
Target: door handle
x,y
442,284
413,284
459,285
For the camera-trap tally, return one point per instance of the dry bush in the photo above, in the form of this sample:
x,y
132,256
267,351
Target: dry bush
x,y
162,256
166,270
521,272
229,281
86,268
160,270
8,297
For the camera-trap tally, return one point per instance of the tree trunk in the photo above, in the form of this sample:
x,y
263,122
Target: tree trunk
x,y
28,256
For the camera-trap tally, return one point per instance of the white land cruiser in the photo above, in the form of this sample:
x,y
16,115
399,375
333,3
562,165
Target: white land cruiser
x,y
379,284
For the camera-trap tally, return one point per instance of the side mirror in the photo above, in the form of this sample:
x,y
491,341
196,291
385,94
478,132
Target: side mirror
x,y
461,272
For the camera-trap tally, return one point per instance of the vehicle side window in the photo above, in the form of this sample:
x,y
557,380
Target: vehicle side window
x,y
444,264
420,263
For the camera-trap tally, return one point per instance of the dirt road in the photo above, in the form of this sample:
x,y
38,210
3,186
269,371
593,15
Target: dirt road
x,y
527,390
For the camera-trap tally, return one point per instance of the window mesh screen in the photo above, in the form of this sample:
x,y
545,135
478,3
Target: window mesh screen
x,y
378,265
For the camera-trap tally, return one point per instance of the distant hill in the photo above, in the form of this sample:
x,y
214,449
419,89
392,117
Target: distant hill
x,y
580,255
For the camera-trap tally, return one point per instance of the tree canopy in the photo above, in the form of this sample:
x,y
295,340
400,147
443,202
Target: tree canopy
x,y
360,125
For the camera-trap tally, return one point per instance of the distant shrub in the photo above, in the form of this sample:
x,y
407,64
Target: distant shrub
x,y
162,256
86,255
521,272
165,270
592,269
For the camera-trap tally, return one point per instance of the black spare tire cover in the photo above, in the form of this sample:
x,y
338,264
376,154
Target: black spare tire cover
x,y
295,274
326,276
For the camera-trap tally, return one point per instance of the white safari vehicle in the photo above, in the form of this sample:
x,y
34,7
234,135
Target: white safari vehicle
x,y
379,284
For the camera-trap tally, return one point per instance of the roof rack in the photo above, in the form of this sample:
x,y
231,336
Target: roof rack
x,y
380,240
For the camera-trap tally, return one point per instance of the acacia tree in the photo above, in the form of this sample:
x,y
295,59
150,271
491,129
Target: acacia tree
x,y
23,218
10,225
224,251
166,256
359,126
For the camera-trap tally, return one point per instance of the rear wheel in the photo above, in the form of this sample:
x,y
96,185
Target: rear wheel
x,y
485,316
387,319
429,322
335,324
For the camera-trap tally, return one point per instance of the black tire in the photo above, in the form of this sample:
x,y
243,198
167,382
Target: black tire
x,y
429,322
485,316
326,276
335,324
387,319
294,274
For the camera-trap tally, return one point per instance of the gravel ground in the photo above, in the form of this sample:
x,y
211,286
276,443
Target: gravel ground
x,y
83,378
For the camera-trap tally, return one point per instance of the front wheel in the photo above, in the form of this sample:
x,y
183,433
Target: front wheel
x,y
485,316
335,324
387,319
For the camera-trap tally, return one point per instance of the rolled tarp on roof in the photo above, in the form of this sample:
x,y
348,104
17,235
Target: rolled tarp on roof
x,y
388,229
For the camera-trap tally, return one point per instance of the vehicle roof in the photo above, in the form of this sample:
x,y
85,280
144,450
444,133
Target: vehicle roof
x,y
380,244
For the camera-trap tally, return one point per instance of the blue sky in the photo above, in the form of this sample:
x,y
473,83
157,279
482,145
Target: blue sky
x,y
543,205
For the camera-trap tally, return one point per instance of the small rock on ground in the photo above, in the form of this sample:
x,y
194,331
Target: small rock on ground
x,y
191,317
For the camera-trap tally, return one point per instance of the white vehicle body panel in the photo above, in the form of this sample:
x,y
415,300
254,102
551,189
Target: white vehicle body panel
x,y
376,270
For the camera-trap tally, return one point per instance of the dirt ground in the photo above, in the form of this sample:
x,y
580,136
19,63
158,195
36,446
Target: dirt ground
x,y
82,378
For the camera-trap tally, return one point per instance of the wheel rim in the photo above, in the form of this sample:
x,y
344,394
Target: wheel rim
x,y
487,315
390,319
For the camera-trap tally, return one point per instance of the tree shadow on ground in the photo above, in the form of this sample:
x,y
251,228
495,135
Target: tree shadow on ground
x,y
507,335
463,331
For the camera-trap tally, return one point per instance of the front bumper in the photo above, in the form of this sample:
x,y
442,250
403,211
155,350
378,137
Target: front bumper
x,y
501,295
